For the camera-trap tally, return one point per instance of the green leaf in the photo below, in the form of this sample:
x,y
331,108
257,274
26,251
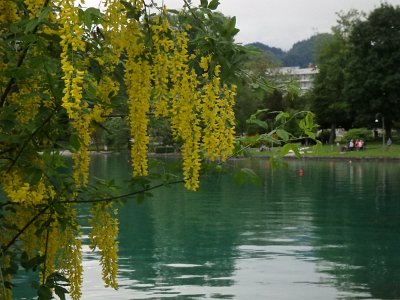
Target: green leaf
x,y
74,141
213,4
204,3
286,148
34,175
91,16
253,120
282,115
33,263
231,25
44,293
60,292
31,25
132,12
283,134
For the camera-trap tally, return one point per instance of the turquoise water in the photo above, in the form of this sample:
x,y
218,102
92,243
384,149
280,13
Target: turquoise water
x,y
310,230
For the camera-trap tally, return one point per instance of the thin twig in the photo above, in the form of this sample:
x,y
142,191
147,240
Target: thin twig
x,y
21,231
110,199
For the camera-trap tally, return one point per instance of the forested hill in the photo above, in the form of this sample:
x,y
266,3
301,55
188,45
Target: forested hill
x,y
301,54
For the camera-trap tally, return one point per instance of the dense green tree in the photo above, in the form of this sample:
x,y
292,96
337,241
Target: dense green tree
x,y
252,87
116,136
327,100
372,74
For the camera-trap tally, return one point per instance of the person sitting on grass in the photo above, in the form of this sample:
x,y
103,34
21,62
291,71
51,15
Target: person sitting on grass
x,y
359,144
351,145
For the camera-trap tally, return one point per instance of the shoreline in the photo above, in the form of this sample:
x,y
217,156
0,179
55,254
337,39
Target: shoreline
x,y
264,156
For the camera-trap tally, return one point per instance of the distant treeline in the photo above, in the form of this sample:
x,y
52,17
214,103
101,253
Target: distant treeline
x,y
301,54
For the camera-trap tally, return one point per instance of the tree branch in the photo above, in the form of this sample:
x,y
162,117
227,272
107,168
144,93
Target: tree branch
x,y
21,231
110,199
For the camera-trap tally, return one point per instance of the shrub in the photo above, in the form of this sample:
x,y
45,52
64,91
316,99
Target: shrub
x,y
324,135
358,133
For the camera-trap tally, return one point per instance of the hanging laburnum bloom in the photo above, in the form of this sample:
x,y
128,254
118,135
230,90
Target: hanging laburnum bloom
x,y
67,70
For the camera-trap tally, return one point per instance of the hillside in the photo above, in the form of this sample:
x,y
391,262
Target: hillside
x,y
301,54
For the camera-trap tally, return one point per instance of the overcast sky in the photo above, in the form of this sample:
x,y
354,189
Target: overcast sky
x,y
281,23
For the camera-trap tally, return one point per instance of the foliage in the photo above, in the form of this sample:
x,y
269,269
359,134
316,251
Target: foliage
x,y
327,97
264,87
302,54
64,72
372,76
358,71
252,88
116,134
358,133
273,53
280,132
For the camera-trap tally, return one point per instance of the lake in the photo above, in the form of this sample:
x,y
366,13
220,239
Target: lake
x,y
309,230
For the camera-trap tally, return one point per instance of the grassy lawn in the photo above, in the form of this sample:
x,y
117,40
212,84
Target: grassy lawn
x,y
371,151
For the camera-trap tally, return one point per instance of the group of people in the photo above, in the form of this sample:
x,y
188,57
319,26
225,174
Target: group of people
x,y
358,144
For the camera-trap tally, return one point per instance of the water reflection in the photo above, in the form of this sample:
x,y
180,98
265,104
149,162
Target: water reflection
x,y
311,230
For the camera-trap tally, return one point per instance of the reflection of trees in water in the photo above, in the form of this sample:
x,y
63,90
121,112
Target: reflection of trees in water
x,y
356,226
178,237
204,229
344,208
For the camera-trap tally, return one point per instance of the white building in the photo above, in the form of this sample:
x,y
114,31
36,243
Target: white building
x,y
304,76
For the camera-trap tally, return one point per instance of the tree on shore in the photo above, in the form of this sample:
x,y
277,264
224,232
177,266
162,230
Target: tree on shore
x,y
328,100
358,78
372,73
65,69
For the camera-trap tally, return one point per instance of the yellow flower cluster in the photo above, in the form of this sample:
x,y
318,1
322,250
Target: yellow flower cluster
x,y
27,103
200,112
104,236
218,116
184,109
8,15
71,41
114,32
22,192
34,6
159,77
72,262
105,88
30,241
162,47
138,88
49,246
